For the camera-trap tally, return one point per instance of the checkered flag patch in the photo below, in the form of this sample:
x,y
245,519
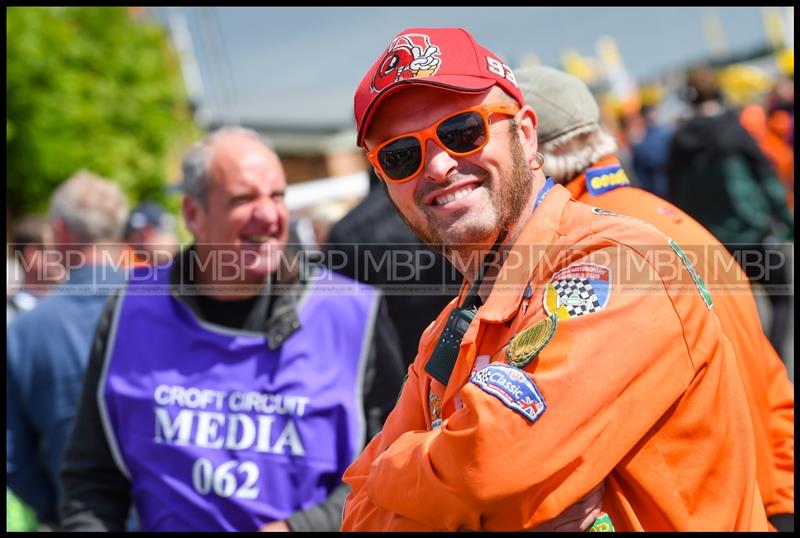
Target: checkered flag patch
x,y
481,376
577,296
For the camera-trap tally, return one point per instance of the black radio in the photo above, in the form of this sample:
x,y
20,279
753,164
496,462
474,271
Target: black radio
x,y
443,358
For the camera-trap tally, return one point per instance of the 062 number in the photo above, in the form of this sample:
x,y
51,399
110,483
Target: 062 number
x,y
223,480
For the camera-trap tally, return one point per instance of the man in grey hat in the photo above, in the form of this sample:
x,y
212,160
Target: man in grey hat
x,y
581,155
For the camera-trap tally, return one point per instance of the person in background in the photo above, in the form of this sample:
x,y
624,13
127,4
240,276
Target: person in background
x,y
34,274
769,133
780,119
372,244
230,389
570,358
781,99
649,148
151,234
47,347
570,132
770,129
719,176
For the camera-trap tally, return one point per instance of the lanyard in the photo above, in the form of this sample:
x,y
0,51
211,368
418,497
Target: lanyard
x,y
443,359
549,184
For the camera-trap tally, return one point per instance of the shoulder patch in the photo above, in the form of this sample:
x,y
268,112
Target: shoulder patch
x,y
579,289
526,344
513,387
605,178
701,286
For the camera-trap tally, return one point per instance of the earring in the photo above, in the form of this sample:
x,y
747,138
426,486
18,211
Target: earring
x,y
539,161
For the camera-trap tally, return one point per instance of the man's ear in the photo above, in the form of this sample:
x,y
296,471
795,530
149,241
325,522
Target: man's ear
x,y
528,122
380,177
193,215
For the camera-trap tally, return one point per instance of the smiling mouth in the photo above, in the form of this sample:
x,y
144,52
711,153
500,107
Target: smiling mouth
x,y
453,196
256,239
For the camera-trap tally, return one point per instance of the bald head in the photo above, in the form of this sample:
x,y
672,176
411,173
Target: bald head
x,y
219,148
233,153
234,205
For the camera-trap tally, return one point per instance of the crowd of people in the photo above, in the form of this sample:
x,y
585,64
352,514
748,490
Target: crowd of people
x,y
534,320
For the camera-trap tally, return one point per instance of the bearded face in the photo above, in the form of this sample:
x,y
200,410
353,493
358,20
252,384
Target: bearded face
x,y
503,211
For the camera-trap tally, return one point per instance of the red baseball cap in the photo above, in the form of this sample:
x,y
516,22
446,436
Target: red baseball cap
x,y
448,58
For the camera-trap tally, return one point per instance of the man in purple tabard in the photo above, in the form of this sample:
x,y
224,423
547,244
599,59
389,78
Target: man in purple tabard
x,y
230,389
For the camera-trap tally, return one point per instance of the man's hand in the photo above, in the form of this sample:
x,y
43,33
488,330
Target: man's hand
x,y
579,516
275,526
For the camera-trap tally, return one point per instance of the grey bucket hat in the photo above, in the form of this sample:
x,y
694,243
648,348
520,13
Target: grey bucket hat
x,y
562,102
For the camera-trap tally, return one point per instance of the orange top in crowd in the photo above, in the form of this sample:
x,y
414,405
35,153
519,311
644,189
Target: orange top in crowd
x,y
771,133
770,393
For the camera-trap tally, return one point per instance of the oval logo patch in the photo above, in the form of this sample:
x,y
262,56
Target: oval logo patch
x,y
513,387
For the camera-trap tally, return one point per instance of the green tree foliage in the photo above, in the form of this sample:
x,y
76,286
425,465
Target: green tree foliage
x,y
93,88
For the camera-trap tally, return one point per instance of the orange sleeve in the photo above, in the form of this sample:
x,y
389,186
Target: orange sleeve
x,y
781,432
360,513
607,378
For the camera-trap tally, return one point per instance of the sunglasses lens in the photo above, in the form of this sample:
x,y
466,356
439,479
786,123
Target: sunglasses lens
x,y
463,133
401,158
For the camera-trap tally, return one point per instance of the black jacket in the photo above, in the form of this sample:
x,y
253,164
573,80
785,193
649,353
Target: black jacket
x,y
372,244
718,174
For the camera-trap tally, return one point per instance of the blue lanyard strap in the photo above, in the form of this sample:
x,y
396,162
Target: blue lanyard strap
x,y
547,186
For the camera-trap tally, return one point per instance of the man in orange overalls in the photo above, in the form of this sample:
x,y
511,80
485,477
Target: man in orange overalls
x,y
570,131
581,349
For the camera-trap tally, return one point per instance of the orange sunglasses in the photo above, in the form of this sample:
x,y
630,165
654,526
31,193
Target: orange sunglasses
x,y
460,134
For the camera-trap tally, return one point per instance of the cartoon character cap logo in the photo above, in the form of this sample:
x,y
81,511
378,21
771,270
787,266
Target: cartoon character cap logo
x,y
408,56
444,58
